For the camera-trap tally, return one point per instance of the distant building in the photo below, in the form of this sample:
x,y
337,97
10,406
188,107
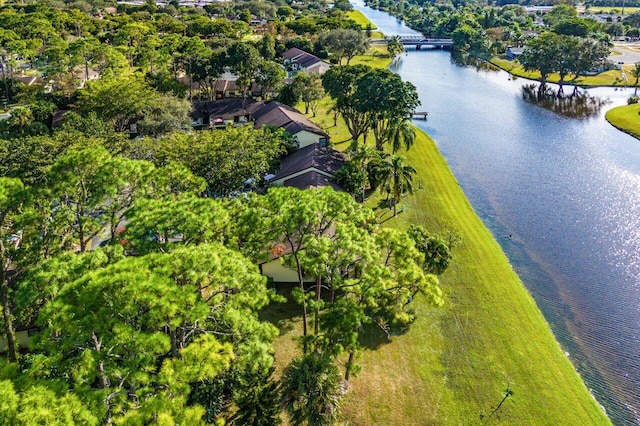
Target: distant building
x,y
514,52
296,60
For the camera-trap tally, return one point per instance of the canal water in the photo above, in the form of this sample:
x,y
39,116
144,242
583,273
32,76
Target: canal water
x,y
560,189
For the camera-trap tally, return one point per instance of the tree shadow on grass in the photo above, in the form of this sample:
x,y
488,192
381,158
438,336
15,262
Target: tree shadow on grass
x,y
373,336
282,314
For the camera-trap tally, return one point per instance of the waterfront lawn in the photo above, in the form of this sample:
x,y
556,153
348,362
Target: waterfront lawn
x,y
626,118
607,78
456,362
360,19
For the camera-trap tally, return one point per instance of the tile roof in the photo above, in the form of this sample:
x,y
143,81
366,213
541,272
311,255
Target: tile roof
x,y
225,109
311,179
314,156
276,114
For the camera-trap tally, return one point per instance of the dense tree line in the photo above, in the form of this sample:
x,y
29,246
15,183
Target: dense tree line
x,y
161,323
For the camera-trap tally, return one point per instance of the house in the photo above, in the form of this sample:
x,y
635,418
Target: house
x,y
298,60
514,53
303,130
236,111
223,112
310,167
231,89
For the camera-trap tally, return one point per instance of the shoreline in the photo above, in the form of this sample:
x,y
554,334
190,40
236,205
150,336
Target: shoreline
x,y
491,334
626,119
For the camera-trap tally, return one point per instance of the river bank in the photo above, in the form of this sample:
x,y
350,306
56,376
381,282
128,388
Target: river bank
x,y
456,363
626,118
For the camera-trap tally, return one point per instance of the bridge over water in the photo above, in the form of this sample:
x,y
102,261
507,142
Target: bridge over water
x,y
419,41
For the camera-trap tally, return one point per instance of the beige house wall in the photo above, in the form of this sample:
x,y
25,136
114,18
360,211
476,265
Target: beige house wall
x,y
306,138
22,339
279,273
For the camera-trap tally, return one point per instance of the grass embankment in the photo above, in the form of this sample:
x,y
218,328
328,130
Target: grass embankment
x,y
456,362
607,78
626,118
361,20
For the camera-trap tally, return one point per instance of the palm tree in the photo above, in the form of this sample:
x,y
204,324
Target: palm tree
x,y
401,132
636,73
395,46
310,390
394,175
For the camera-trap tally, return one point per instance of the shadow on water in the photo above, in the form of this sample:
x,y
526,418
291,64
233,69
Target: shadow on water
x,y
465,60
574,104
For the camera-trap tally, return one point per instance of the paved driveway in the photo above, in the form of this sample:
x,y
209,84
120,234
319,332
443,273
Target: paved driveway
x,y
630,53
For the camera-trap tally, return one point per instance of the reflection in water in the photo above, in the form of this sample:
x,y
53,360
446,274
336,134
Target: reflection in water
x,y
466,60
577,104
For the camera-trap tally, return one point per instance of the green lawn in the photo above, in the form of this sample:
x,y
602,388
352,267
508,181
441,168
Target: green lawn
x,y
453,366
626,118
455,363
604,9
607,78
360,19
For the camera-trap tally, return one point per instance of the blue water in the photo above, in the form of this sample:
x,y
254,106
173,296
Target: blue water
x,y
561,195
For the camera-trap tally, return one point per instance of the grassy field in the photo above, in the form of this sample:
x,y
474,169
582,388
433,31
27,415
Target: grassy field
x,y
455,363
626,118
360,19
604,9
608,78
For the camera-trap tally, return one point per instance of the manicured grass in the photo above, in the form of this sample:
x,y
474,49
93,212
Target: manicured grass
x,y
607,78
626,118
601,9
376,57
360,19
455,363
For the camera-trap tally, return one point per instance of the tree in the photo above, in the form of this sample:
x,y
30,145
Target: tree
x,y
270,77
190,51
132,336
575,26
395,46
129,39
87,184
437,252
540,54
225,158
402,133
85,51
297,219
118,100
635,72
162,225
165,114
341,83
12,201
310,390
394,176
206,70
345,43
267,46
559,12
243,60
308,88
382,94
37,404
